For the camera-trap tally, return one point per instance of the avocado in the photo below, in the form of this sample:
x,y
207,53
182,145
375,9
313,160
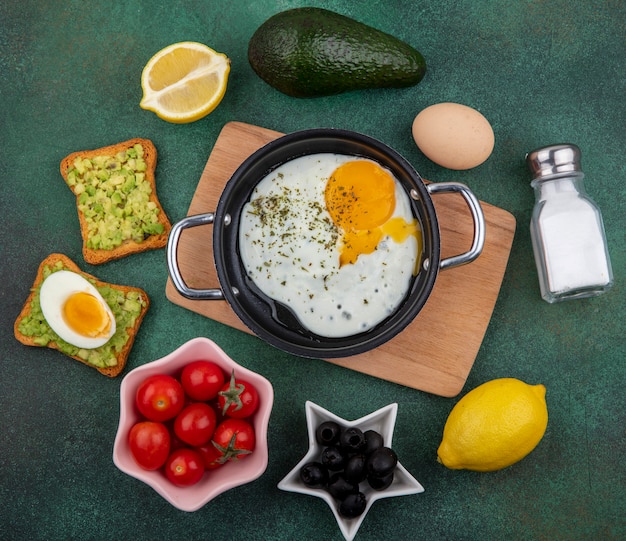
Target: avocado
x,y
312,52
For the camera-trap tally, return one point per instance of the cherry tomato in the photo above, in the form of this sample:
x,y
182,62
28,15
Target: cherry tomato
x,y
160,397
202,380
238,398
149,444
184,467
211,456
195,424
234,439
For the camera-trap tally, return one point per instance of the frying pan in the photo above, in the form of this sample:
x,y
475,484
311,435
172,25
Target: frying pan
x,y
274,322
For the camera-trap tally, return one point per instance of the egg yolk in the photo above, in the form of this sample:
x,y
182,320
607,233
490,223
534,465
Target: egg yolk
x,y
85,314
361,198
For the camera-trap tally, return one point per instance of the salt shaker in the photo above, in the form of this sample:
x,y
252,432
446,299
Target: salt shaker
x,y
566,229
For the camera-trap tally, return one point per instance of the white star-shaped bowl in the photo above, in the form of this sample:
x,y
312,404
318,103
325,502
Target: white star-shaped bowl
x,y
382,421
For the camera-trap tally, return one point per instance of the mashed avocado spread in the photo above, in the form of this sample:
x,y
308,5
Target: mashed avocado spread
x,y
114,196
126,308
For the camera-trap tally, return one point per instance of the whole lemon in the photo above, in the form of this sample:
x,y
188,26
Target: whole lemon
x,y
494,425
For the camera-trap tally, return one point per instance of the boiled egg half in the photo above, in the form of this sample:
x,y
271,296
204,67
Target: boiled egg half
x,y
75,310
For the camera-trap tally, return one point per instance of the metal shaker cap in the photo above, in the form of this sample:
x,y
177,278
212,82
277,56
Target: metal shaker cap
x,y
554,160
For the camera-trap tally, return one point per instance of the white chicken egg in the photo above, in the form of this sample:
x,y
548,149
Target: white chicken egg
x,y
75,310
334,238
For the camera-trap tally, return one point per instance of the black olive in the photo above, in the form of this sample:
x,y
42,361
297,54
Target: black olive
x,y
373,440
339,487
380,483
333,458
354,470
352,439
327,433
381,462
314,474
353,505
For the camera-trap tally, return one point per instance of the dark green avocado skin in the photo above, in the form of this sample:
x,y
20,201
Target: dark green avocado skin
x,y
312,52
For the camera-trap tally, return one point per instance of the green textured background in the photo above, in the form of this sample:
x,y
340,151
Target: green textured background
x,y
540,71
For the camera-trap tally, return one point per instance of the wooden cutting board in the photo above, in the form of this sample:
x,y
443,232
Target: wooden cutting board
x,y
437,350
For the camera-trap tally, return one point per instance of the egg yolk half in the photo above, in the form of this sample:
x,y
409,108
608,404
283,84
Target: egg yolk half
x,y
361,198
85,315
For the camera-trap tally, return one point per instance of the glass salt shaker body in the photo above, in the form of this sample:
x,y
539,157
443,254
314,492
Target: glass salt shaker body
x,y
566,229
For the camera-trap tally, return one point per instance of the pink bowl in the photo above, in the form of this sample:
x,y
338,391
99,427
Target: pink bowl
x,y
214,482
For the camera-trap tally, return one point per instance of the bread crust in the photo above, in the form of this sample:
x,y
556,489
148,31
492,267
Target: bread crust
x,y
128,247
122,356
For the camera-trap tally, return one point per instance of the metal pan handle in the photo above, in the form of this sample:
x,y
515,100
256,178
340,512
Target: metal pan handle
x,y
172,259
477,217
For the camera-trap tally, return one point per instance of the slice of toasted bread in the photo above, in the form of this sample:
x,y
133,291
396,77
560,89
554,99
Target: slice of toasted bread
x,y
98,255
109,352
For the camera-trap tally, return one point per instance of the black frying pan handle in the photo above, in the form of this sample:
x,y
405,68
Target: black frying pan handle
x,y
172,259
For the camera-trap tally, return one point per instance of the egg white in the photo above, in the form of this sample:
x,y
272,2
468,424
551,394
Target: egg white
x,y
290,249
54,292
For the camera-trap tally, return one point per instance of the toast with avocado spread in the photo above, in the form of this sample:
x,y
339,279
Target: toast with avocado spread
x,y
118,208
128,304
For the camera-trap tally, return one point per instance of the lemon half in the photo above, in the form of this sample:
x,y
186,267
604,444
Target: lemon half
x,y
493,426
184,82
